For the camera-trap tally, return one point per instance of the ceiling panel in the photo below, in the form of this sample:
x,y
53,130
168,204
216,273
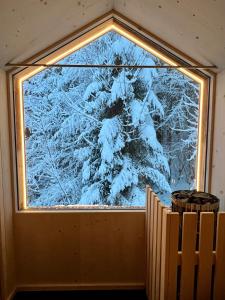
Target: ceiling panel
x,y
197,27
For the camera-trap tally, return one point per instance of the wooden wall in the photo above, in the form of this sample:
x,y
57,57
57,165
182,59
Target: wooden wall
x,y
103,249
80,249
7,259
218,164
67,249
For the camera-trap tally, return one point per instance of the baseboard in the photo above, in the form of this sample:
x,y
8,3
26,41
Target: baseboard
x,y
81,286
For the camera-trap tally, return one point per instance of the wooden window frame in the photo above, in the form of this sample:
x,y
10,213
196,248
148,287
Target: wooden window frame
x,y
143,38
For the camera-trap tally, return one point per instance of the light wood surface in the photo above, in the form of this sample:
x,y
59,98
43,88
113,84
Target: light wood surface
x,y
158,250
188,256
7,258
218,143
185,271
152,213
172,257
154,245
205,262
147,228
84,248
219,284
170,229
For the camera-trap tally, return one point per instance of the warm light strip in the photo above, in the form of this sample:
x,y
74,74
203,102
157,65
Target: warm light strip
x,y
22,141
20,87
153,51
135,39
69,51
200,162
198,79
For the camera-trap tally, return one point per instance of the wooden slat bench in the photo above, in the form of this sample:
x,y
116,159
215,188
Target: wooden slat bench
x,y
184,261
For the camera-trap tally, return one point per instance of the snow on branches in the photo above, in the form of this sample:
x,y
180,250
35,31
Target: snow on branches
x,y
98,136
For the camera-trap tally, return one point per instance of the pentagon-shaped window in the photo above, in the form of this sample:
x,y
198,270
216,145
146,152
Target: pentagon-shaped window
x,y
95,136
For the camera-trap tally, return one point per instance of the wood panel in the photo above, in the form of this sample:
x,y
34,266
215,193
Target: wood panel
x,y
158,250
154,244
188,256
218,143
147,222
151,241
154,218
7,264
205,256
219,285
170,231
165,258
2,236
100,248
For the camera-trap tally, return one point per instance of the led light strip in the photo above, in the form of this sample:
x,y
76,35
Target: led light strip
x,y
76,45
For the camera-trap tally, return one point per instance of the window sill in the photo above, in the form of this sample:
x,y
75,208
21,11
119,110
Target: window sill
x,y
87,209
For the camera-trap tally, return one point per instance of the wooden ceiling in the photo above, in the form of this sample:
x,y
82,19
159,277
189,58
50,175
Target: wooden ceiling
x,y
197,27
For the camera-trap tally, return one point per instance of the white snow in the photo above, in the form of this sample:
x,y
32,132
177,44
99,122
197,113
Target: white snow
x,y
98,136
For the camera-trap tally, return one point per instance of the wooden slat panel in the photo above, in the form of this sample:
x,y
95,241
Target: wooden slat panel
x,y
147,242
148,192
173,257
151,242
158,251
164,254
155,219
219,284
188,256
170,231
205,256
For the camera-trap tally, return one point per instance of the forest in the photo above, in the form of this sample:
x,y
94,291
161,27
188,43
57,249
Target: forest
x,y
98,136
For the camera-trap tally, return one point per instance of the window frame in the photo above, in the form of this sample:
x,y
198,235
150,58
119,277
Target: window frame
x,y
75,41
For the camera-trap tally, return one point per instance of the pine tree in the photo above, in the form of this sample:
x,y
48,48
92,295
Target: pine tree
x,y
51,121
98,136
124,153
178,129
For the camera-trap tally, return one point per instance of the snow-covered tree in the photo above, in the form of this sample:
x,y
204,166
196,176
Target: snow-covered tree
x,y
178,129
125,154
52,176
98,136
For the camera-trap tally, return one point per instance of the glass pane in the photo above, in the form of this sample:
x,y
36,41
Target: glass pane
x,y
97,136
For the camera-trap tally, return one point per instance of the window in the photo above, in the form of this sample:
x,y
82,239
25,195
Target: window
x,y
95,136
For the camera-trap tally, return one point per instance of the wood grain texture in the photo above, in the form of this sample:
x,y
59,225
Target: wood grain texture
x,y
170,230
20,151
7,258
205,256
158,251
210,130
219,285
154,245
151,242
80,248
188,256
203,129
3,271
147,222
